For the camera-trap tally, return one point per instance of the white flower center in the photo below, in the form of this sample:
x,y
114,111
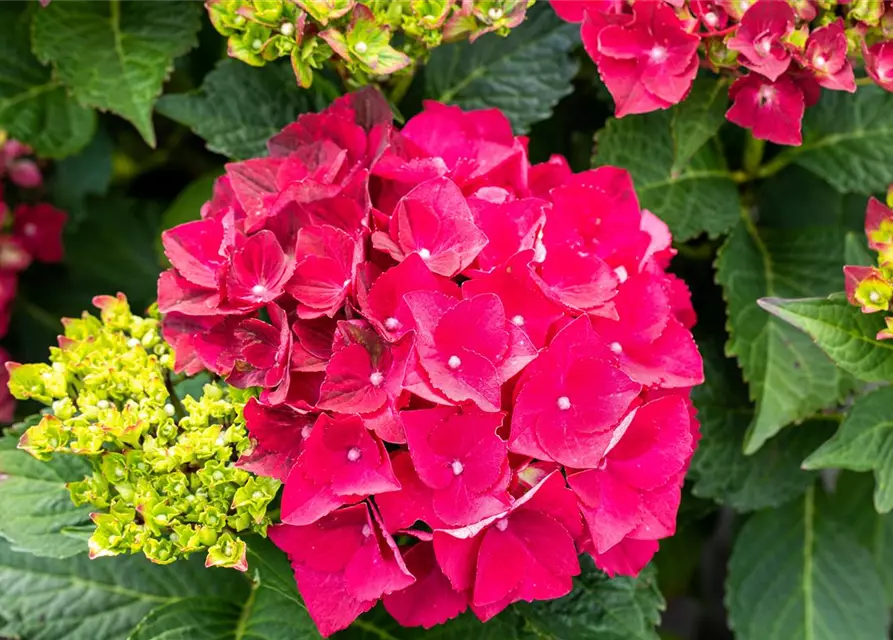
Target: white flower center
x,y
457,467
820,61
30,229
376,379
454,362
366,531
657,53
518,321
616,347
258,289
766,95
257,44
287,29
424,254
564,403
391,324
495,13
874,296
361,47
353,454
763,46
711,18
621,273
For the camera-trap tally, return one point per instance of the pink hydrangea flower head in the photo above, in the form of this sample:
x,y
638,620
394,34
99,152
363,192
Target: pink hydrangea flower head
x,y
771,110
440,333
760,38
648,62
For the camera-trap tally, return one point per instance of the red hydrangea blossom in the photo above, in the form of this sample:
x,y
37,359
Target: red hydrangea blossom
x,y
481,358
778,53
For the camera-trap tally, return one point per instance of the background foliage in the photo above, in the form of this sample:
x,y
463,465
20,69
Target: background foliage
x,y
140,108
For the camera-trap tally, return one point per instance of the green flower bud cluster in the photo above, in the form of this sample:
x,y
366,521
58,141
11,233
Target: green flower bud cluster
x,y
356,34
163,475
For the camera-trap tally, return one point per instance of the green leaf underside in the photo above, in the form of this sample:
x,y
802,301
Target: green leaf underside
x,y
34,107
272,610
848,140
842,331
864,442
797,574
721,470
852,507
82,599
239,107
789,377
116,55
524,74
680,174
34,502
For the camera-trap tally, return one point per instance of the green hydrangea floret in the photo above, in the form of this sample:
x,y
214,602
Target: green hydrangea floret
x,y
164,477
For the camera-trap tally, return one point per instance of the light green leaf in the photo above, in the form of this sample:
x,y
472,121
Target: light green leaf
x,y
848,140
34,107
797,574
600,607
239,107
768,478
35,504
273,610
524,74
789,377
864,442
856,250
842,331
82,599
678,175
116,55
852,507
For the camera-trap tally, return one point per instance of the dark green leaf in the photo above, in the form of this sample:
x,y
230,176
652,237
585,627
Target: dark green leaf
x,y
82,599
116,55
678,175
788,376
842,331
848,140
600,607
239,107
273,609
35,504
525,74
856,250
77,177
864,443
768,478
852,507
697,119
797,574
34,107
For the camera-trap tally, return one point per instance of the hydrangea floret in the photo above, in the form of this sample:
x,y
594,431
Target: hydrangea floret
x,y
871,287
778,54
355,34
471,369
164,480
30,230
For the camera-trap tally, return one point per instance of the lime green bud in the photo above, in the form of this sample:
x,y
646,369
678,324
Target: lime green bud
x,y
228,552
39,382
160,550
114,468
45,438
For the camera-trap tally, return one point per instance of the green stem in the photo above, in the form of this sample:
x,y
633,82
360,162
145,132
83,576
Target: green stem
x,y
401,85
778,163
753,155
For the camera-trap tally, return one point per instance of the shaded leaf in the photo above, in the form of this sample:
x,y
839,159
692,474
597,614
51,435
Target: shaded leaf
x,y
721,470
789,378
116,55
797,574
34,107
524,74
238,107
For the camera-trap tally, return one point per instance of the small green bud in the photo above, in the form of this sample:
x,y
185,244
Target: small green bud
x,y
228,552
45,438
